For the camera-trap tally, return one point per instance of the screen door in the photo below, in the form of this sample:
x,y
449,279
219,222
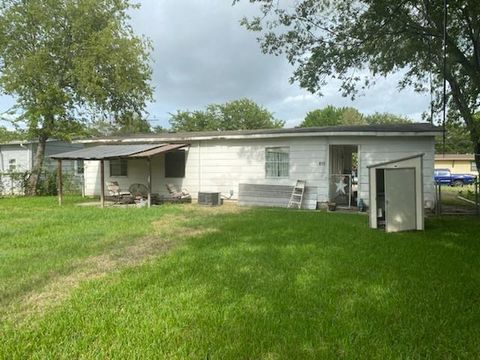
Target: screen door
x,y
400,203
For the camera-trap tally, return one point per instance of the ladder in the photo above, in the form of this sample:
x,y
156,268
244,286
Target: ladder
x,y
297,195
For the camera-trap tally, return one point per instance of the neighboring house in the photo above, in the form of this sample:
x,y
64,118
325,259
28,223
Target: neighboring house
x,y
17,157
456,163
259,167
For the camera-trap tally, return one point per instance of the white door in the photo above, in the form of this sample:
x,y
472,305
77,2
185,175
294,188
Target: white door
x,y
400,205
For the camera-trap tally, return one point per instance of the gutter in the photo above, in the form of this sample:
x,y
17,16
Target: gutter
x,y
257,136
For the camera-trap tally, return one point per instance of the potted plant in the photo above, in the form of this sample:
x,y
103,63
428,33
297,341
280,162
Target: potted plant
x,y
331,206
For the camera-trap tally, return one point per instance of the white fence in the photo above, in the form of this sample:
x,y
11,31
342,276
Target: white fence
x,y
11,184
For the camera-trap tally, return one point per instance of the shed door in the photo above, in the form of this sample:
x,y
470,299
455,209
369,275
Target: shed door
x,y
400,205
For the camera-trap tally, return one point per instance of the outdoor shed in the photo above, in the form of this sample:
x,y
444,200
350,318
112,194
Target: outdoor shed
x,y
396,194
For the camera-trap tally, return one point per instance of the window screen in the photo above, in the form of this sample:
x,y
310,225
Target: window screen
x,y
79,167
12,165
175,164
118,167
277,162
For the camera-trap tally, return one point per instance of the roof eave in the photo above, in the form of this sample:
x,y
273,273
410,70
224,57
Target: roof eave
x,y
383,163
262,136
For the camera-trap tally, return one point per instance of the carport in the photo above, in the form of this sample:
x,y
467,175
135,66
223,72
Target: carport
x,y
396,194
112,152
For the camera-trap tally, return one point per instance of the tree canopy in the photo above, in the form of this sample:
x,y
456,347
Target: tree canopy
x,y
9,135
354,41
331,116
66,62
457,140
126,125
240,114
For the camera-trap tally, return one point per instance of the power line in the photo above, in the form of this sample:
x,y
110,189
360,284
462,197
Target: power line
x,y
444,72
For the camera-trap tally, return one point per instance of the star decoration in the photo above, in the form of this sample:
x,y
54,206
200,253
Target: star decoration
x,y
340,186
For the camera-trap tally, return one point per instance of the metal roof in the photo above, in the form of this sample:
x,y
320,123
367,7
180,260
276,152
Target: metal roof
x,y
158,150
421,155
105,152
342,130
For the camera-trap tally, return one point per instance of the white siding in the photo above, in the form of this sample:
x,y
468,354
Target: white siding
x,y
8,184
57,147
380,150
221,165
17,152
24,155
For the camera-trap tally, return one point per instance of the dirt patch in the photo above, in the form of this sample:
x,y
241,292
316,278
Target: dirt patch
x,y
168,232
226,208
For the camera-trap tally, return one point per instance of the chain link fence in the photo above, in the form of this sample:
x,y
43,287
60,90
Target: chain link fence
x,y
13,183
458,199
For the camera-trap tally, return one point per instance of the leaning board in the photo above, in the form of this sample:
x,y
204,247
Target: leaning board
x,y
274,195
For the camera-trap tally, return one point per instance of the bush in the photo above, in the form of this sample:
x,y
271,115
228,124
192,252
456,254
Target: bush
x,y
47,184
14,183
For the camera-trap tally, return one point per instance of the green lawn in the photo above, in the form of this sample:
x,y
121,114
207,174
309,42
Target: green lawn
x,y
450,196
198,283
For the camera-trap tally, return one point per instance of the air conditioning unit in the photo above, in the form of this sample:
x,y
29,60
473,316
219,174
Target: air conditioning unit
x,y
209,198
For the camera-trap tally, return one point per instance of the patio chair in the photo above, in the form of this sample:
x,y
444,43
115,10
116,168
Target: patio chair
x,y
138,190
177,195
118,195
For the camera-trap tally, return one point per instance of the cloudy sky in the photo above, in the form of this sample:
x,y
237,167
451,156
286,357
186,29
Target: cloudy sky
x,y
202,56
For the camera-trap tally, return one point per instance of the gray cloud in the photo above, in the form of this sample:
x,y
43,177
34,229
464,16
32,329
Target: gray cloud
x,y
202,55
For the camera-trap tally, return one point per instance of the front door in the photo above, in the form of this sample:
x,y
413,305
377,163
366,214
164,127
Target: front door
x,y
400,204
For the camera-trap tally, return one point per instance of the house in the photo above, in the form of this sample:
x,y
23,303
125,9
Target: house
x,y
260,167
17,157
457,163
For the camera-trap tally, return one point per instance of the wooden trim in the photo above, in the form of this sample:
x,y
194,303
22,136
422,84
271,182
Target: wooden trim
x,y
149,182
102,183
59,182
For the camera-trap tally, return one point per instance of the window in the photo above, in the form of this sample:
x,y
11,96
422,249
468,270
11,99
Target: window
x,y
118,167
12,165
175,164
473,166
277,162
442,173
79,167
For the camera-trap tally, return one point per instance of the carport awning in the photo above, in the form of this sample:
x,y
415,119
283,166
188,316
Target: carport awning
x,y
106,152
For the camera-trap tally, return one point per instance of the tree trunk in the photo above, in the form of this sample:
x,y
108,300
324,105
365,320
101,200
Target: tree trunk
x,y
473,125
32,182
476,147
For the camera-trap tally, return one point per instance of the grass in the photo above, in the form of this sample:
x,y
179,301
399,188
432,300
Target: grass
x,y
450,196
256,284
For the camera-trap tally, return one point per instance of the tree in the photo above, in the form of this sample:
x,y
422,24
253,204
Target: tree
x,y
331,116
240,114
199,120
64,60
328,116
385,118
8,135
457,139
126,125
351,116
343,38
159,129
